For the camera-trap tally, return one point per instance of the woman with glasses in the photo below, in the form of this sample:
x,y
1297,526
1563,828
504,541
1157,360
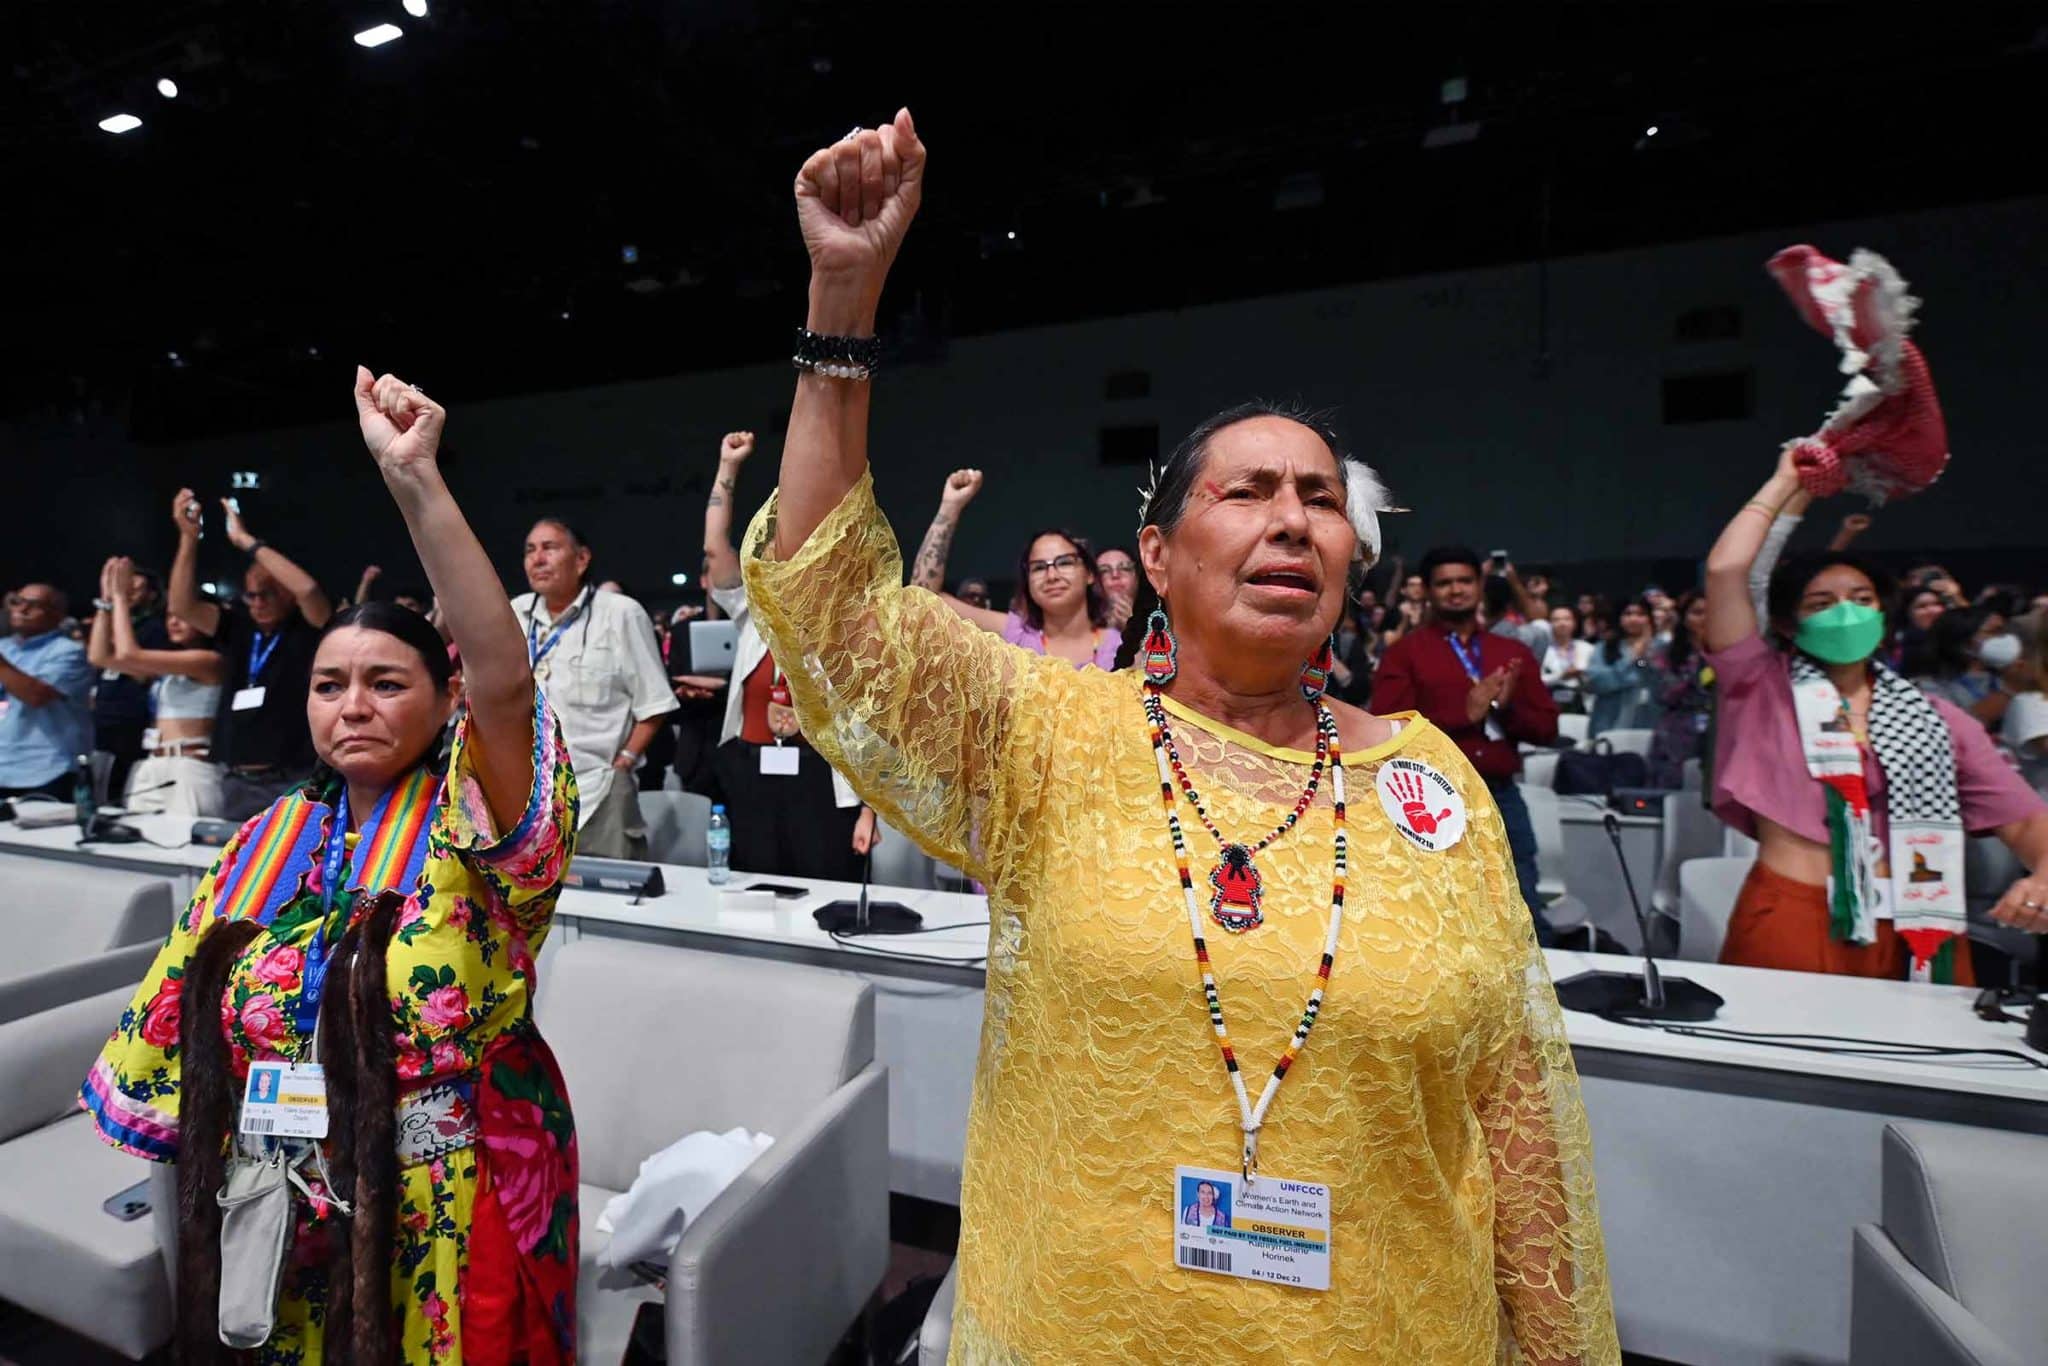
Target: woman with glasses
x,y
1062,610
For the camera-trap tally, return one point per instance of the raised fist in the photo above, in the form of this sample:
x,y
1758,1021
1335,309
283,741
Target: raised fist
x,y
961,486
185,512
400,424
855,200
736,447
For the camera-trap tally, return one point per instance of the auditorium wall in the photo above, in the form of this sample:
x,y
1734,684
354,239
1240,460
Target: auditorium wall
x,y
1504,407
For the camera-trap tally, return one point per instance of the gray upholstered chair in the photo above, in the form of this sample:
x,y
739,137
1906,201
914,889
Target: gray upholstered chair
x,y
935,1338
66,1258
657,1042
1707,892
74,931
1953,1275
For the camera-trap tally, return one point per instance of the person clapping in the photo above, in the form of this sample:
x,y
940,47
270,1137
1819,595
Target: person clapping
x,y
175,773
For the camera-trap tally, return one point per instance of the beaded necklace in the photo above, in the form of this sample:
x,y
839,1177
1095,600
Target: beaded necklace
x,y
1237,889
1251,1117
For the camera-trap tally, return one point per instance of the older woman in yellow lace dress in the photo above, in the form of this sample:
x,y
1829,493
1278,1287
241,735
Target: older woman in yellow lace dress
x,y
1206,968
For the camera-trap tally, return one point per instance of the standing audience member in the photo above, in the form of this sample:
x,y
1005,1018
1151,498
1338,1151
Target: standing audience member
x,y
974,592
45,691
1627,674
267,640
792,813
176,774
1117,570
120,701
1949,663
1822,810
1062,609
1687,695
1566,658
2025,731
1482,690
593,655
1407,612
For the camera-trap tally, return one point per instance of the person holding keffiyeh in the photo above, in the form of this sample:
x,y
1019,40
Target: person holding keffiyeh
x,y
1857,787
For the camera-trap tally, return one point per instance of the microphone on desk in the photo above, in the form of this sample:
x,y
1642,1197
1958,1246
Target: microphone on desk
x,y
865,916
1645,995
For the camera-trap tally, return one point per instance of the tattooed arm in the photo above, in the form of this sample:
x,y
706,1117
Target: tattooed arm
x,y
928,570
722,562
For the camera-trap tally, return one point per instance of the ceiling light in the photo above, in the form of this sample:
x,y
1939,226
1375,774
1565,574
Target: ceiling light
x,y
1011,235
416,8
168,88
1651,131
120,123
679,579
378,36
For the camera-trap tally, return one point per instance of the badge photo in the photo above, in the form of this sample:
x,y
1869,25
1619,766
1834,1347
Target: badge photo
x,y
1424,805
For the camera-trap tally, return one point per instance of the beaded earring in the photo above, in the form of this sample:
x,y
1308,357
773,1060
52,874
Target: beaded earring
x,y
1315,675
1162,651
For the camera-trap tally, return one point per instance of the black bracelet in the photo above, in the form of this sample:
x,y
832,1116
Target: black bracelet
x,y
837,357
260,545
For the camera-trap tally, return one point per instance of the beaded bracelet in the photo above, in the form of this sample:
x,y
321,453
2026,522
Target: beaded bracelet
x,y
837,357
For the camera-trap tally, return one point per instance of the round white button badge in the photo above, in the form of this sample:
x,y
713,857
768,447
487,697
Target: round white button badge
x,y
1422,803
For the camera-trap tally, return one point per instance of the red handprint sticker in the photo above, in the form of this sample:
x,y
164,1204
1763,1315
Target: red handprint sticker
x,y
1423,804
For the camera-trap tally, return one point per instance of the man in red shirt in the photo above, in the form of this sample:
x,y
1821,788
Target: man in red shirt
x,y
1483,690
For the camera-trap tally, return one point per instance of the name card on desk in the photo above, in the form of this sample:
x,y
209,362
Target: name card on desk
x,y
742,900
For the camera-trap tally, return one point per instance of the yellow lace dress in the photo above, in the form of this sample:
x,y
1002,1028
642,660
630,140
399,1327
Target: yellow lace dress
x,y
1436,1096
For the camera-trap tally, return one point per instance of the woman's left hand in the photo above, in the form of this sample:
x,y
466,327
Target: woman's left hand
x,y
2024,905
867,832
401,425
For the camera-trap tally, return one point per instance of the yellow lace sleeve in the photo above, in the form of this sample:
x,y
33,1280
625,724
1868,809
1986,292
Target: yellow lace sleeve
x,y
1549,1260
924,713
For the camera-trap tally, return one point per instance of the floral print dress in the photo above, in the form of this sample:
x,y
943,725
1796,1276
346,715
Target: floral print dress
x,y
489,1228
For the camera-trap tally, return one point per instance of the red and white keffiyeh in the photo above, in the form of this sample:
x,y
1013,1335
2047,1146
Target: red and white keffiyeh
x,y
1886,439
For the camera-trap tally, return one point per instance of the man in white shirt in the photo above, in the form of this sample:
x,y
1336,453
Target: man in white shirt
x,y
595,659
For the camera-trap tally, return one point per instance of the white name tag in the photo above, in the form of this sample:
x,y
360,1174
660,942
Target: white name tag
x,y
248,699
285,1100
780,761
1271,1229
110,675
151,739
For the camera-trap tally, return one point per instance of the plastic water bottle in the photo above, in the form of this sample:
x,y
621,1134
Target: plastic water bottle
x,y
81,794
718,840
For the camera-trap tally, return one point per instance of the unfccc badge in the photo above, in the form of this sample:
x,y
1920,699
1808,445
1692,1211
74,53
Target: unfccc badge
x,y
1422,803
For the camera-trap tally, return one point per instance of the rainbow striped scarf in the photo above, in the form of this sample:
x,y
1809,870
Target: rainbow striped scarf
x,y
280,860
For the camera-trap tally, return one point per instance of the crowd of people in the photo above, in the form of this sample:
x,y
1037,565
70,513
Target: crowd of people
x,y
414,772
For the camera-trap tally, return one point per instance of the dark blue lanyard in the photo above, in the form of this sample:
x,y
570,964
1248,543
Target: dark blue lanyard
x,y
307,1012
261,648
1470,656
536,652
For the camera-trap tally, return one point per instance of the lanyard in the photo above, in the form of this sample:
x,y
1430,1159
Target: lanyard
x,y
1468,655
261,647
306,1014
536,649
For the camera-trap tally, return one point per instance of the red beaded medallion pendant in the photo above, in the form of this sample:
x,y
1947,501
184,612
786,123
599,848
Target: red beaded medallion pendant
x,y
1239,890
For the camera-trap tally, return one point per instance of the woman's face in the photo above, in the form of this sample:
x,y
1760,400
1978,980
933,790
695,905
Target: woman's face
x,y
1413,589
180,631
1696,619
1992,625
1255,570
1205,1195
1564,624
373,707
1058,577
1926,609
1634,621
1664,616
1836,583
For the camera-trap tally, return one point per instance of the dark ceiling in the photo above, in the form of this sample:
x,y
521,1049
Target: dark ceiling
x,y
458,203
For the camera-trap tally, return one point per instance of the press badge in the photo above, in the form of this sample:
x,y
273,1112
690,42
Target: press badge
x,y
780,761
1271,1229
285,1100
248,699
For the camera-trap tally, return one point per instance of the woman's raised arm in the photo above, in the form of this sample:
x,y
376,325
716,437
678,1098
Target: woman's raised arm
x,y
1731,616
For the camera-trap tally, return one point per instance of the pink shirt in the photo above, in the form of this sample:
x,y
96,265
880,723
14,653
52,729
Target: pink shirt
x,y
1020,632
1760,769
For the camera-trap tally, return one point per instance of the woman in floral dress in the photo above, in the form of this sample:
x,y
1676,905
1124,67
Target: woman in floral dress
x,y
396,902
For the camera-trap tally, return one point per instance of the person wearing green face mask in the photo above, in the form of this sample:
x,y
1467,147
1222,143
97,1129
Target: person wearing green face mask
x,y
1858,788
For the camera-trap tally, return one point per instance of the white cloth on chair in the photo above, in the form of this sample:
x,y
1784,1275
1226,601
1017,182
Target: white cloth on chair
x,y
674,1186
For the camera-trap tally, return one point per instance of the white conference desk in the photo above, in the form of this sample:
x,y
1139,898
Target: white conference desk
x,y
1730,1173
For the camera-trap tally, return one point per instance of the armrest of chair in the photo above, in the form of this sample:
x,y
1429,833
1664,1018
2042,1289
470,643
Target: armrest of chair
x,y
44,1059
1897,1317
935,1335
67,982
786,1258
